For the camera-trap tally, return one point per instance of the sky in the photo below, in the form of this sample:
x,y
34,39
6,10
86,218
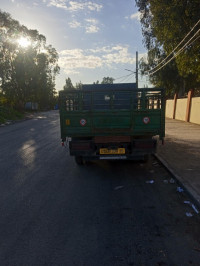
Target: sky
x,y
94,38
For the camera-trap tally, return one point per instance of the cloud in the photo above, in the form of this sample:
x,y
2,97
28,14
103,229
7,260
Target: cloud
x,y
74,24
72,61
58,3
92,29
135,16
74,5
119,55
90,25
92,20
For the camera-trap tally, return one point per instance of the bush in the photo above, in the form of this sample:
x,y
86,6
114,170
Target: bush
x,y
8,113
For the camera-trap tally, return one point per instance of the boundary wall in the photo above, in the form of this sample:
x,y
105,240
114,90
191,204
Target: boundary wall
x,y
187,109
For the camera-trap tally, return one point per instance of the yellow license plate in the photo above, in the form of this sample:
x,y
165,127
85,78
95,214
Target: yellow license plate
x,y
112,151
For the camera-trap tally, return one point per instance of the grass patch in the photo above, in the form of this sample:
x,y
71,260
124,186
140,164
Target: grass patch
x,y
7,113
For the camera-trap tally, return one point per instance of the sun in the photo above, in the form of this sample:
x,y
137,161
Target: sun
x,y
24,42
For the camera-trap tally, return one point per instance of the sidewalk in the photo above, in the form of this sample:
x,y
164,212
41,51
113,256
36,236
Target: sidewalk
x,y
181,154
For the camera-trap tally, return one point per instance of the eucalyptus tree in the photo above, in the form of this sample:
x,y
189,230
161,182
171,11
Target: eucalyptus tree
x,y
165,23
28,66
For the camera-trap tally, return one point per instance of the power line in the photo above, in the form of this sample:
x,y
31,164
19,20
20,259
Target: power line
x,y
129,70
177,46
127,77
195,40
124,76
177,53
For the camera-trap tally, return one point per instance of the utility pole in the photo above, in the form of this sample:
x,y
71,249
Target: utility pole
x,y
136,70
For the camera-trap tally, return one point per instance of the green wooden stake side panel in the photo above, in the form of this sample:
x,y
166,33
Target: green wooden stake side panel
x,y
129,120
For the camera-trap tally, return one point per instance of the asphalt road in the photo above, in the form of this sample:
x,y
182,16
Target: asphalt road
x,y
53,212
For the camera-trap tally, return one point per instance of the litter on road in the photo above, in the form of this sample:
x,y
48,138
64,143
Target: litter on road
x,y
180,189
172,181
192,205
187,202
194,208
150,181
189,214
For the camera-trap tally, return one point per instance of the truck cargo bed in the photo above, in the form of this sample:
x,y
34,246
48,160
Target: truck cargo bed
x,y
103,112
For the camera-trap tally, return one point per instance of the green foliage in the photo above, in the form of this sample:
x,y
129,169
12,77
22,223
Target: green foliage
x,y
107,80
3,100
8,113
68,84
164,24
79,85
27,73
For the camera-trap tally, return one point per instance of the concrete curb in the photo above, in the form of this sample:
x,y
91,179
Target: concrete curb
x,y
188,190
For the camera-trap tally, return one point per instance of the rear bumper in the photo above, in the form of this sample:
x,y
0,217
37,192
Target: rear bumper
x,y
136,149
114,157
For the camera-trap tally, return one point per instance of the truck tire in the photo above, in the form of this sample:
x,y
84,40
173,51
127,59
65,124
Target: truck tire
x,y
79,160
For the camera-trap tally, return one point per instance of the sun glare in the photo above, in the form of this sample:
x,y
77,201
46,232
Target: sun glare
x,y
43,51
24,42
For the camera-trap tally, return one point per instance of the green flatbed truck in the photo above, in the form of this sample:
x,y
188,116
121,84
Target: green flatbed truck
x,y
112,121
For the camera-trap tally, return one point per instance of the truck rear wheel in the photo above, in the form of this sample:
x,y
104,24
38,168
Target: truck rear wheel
x,y
79,160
